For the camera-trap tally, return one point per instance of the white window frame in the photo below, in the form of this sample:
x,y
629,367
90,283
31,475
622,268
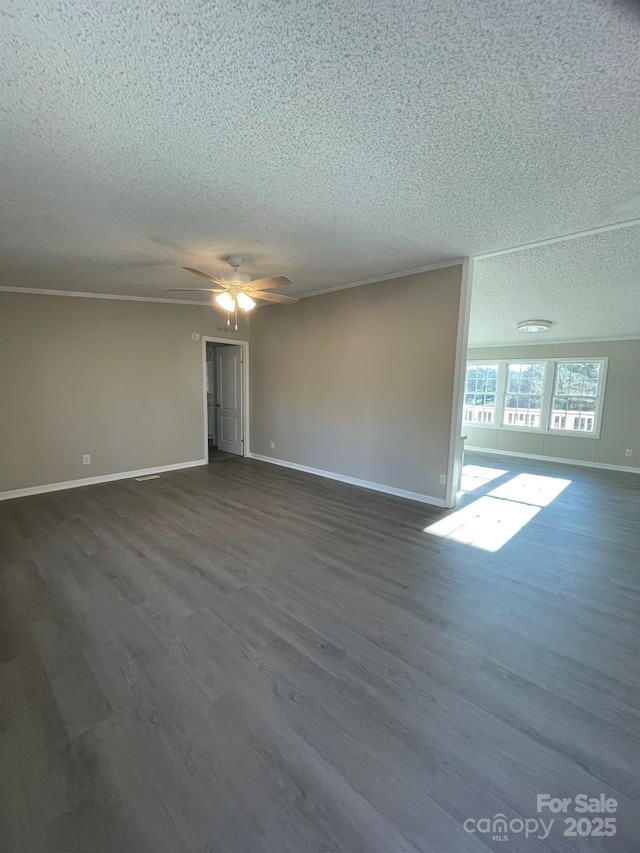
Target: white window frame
x,y
551,366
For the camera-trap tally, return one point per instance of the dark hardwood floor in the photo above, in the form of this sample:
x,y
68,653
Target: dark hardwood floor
x,y
216,455
241,658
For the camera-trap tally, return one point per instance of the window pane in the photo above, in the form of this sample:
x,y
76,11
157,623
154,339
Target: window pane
x,y
526,378
537,378
471,378
513,380
562,378
480,396
525,413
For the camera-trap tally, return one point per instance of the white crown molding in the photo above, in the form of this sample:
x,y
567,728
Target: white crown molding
x,y
44,292
353,481
561,460
554,343
576,235
39,291
437,266
602,229
93,481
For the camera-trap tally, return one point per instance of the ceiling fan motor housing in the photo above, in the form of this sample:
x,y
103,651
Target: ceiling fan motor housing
x,y
235,277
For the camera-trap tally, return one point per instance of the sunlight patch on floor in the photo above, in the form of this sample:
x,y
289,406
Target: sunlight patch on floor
x,y
531,489
475,476
492,520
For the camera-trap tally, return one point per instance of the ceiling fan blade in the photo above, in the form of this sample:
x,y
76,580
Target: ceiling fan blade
x,y
269,282
194,290
204,275
273,297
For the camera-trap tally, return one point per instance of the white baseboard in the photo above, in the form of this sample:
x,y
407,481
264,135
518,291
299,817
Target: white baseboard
x,y
353,481
92,481
558,459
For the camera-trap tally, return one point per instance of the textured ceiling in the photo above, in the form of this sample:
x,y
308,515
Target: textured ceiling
x,y
331,141
589,288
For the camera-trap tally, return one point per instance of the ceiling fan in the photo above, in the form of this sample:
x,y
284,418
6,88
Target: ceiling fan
x,y
236,290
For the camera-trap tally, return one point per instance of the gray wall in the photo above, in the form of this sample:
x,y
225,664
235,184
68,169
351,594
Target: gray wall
x,y
620,417
359,382
120,380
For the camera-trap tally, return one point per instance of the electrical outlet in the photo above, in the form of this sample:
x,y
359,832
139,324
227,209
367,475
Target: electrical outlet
x,y
86,459
273,445
628,452
442,479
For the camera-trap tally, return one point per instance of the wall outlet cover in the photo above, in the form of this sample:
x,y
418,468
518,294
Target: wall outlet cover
x,y
628,452
442,479
86,459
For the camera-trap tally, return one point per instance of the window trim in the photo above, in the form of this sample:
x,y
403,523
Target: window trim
x,y
551,366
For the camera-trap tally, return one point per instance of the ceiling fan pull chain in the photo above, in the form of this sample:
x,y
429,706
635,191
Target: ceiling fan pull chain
x,y
236,329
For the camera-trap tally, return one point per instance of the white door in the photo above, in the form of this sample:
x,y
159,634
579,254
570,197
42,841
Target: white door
x,y
230,426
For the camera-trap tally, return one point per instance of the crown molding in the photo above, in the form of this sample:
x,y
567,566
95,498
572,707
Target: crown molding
x,y
38,291
386,277
519,344
437,266
576,235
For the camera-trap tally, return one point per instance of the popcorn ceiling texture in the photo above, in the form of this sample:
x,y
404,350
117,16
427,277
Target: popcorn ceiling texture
x,y
331,141
589,288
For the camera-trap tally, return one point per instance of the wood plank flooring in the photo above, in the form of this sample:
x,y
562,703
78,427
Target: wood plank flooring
x,y
241,658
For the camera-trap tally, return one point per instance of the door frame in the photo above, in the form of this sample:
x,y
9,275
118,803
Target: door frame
x,y
245,389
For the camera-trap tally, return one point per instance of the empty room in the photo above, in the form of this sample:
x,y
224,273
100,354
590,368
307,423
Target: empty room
x,y
320,427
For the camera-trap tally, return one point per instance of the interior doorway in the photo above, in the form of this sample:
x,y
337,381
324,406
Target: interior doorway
x,y
225,398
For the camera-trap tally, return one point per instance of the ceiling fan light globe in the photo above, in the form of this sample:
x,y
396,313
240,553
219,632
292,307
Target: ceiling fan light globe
x,y
245,301
226,301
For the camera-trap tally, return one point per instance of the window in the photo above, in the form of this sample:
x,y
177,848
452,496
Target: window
x,y
560,396
575,394
523,393
480,393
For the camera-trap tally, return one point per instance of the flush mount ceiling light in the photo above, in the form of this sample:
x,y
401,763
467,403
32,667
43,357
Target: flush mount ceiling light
x,y
534,326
